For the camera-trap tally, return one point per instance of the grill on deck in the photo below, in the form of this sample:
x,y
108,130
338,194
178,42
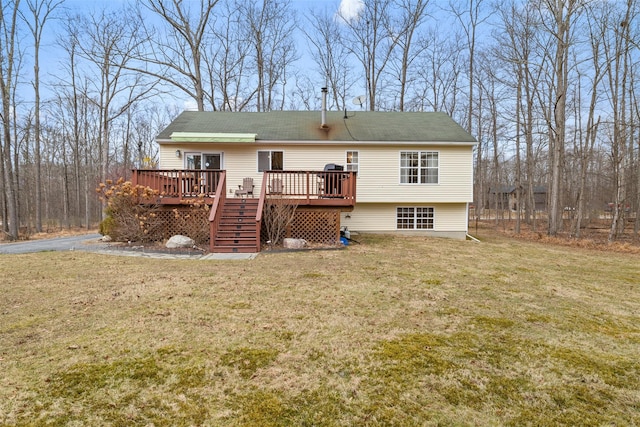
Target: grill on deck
x,y
332,180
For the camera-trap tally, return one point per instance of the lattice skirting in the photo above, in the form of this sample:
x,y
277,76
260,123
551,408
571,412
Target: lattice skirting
x,y
314,225
185,220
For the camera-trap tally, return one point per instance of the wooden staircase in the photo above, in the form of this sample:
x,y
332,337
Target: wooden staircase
x,y
237,230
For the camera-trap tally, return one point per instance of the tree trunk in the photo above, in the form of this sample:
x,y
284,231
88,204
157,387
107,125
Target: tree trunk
x,y
558,129
7,91
518,161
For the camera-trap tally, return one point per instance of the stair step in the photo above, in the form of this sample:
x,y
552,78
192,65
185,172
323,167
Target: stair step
x,y
236,234
235,241
237,222
245,202
244,215
234,249
241,208
240,205
237,227
232,220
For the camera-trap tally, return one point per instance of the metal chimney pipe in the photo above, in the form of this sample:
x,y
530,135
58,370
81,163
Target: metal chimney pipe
x,y
323,125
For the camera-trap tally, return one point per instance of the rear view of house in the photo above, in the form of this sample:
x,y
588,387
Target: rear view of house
x,y
377,171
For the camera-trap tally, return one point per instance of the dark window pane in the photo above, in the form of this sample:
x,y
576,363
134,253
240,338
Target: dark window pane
x,y
277,161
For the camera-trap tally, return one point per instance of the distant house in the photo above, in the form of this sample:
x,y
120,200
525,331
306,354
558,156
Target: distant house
x,y
505,197
368,171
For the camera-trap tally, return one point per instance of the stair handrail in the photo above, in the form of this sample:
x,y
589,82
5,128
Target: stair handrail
x,y
263,195
216,208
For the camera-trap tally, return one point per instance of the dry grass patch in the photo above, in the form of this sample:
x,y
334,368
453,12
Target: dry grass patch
x,y
394,331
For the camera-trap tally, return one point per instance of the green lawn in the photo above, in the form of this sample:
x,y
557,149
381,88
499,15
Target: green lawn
x,y
392,331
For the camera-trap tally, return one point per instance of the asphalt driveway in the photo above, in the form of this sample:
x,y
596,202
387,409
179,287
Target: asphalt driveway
x,y
80,242
91,243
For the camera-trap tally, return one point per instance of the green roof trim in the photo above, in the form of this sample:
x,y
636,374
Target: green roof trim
x,y
212,137
374,127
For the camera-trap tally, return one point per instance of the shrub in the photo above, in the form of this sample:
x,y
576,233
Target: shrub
x,y
278,216
107,226
131,212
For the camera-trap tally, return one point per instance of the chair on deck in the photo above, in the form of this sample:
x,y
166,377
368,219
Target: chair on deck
x,y
276,186
245,188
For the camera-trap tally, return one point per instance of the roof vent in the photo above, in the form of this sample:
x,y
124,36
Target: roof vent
x,y
323,124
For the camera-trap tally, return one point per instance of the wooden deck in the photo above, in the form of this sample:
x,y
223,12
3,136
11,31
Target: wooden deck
x,y
334,189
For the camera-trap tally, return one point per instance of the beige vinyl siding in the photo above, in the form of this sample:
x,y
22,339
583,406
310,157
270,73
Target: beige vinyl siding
x,y
378,169
168,159
381,217
379,176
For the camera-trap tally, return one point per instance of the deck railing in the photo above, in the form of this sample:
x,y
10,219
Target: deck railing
x,y
316,188
179,184
337,188
216,209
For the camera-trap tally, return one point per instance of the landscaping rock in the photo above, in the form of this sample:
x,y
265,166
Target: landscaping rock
x,y
289,243
105,238
179,241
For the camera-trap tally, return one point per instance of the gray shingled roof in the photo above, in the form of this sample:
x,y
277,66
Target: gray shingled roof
x,y
305,126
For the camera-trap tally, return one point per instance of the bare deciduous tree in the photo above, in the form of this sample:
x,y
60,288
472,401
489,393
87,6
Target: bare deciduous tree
x,y
271,24
470,18
559,26
371,41
109,43
616,49
174,52
588,133
330,56
438,75
40,11
412,14
227,62
8,71
515,49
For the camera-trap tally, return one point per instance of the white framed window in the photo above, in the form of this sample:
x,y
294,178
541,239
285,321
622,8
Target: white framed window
x,y
352,161
415,218
270,160
419,167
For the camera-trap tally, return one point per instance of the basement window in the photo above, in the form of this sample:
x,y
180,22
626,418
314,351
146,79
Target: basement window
x,y
415,218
